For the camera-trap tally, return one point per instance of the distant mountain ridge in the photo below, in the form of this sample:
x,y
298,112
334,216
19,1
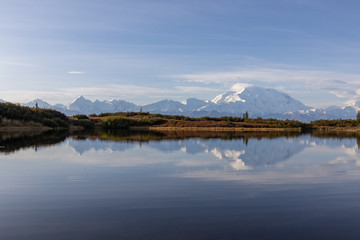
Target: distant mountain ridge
x,y
257,101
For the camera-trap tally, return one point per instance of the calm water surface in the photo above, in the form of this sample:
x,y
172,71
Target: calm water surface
x,y
179,186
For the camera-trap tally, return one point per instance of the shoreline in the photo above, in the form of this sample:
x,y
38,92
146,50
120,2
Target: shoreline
x,y
4,129
214,129
24,129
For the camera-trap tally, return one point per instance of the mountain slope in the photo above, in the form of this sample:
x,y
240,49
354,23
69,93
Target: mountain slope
x,y
39,102
85,106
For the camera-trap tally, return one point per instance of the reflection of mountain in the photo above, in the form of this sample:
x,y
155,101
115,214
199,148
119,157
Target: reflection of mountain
x,y
256,152
84,145
239,153
241,150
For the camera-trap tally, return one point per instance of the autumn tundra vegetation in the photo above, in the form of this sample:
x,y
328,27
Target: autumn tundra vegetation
x,y
16,115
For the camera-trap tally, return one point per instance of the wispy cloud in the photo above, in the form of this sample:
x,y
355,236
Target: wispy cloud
x,y
196,89
16,63
340,84
106,92
76,72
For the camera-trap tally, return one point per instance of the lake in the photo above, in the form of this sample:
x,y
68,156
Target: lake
x,y
179,185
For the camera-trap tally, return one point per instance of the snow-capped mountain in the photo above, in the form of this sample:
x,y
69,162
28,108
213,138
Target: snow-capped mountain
x,y
2,101
257,101
82,105
39,102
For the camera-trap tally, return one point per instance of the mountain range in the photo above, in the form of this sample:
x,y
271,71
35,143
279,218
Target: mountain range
x,y
257,101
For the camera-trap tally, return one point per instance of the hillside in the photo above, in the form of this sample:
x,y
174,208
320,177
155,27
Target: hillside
x,y
16,117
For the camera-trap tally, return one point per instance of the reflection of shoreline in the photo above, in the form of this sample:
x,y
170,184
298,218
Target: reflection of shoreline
x,y
23,129
14,141
176,134
242,149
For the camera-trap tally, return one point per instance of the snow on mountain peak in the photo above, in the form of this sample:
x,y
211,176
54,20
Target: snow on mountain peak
x,y
227,98
354,104
239,87
77,99
232,96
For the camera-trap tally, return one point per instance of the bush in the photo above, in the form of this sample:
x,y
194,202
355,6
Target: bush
x,y
62,123
149,121
117,122
50,123
85,123
80,116
16,112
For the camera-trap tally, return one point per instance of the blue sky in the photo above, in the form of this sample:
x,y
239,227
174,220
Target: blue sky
x,y
145,51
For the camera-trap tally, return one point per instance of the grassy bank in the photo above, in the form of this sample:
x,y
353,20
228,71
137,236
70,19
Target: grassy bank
x,y
170,122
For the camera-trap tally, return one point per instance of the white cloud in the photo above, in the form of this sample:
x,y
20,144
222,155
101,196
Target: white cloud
x,y
240,86
76,72
195,89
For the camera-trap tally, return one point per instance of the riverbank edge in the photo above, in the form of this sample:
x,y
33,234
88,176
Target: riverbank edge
x,y
36,128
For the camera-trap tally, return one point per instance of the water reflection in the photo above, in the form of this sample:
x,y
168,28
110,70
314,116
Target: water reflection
x,y
242,151
179,185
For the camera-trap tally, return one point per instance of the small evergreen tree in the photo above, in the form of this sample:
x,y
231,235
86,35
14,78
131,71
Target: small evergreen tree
x,y
246,115
358,117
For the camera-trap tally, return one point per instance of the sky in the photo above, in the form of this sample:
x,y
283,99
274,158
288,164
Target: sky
x,y
144,51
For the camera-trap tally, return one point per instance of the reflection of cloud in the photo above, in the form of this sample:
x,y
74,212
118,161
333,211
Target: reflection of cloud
x,y
308,174
233,157
350,150
349,161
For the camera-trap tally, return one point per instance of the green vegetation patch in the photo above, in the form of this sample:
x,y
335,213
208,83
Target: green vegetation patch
x,y
14,114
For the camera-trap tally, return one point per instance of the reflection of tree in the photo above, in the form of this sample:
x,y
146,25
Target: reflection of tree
x,y
338,135
12,142
145,136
